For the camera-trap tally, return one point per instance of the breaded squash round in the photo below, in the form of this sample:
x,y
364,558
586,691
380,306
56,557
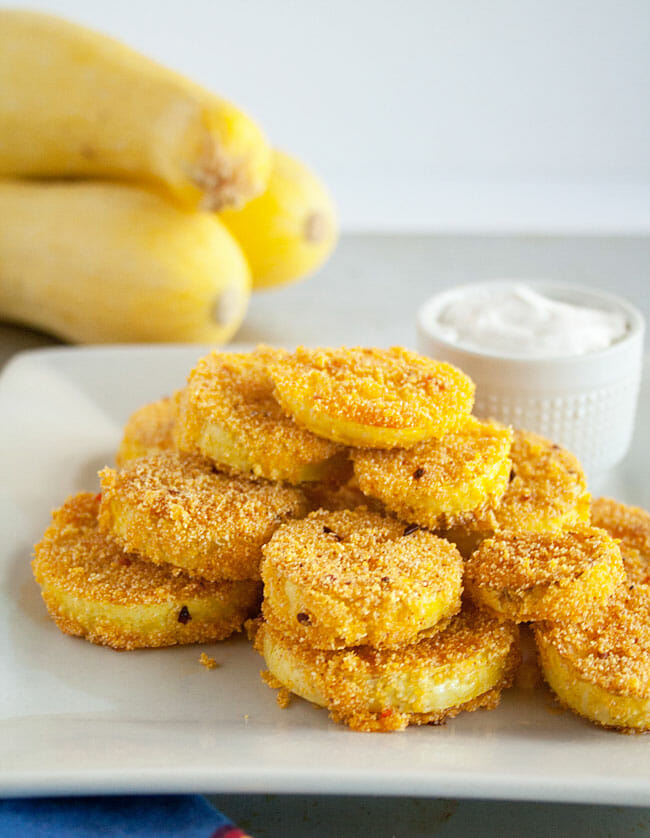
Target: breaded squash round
x,y
353,577
93,589
228,413
547,490
631,526
149,430
175,508
600,667
378,398
464,667
544,576
438,483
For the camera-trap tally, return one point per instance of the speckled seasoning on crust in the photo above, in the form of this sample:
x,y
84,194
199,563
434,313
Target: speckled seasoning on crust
x,y
631,526
545,576
175,508
381,398
228,413
149,430
438,483
600,666
547,490
463,668
93,589
352,577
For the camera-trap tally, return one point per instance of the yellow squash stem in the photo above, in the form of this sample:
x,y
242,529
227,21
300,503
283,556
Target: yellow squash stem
x,y
76,103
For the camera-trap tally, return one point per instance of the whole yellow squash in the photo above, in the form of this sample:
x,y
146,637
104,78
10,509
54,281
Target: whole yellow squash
x,y
74,102
101,262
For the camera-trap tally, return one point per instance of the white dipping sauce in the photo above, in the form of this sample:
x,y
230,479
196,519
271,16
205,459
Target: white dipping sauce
x,y
515,320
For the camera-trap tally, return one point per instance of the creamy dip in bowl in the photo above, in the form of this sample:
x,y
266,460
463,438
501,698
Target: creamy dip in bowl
x,y
562,360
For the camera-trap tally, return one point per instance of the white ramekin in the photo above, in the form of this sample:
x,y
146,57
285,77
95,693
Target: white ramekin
x,y
586,403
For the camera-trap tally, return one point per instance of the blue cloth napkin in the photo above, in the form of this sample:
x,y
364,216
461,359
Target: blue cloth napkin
x,y
183,816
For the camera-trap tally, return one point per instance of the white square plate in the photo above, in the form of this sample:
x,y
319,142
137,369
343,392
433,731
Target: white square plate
x,y
77,718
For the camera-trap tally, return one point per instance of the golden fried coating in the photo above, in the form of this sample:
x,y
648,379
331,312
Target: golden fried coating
x,y
148,430
353,577
544,576
463,667
547,490
631,526
439,483
175,508
379,398
600,667
93,589
228,413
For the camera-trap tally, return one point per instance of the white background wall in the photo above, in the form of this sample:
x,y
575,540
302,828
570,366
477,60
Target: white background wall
x,y
444,115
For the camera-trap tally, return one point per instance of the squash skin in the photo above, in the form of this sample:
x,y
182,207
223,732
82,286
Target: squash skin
x,y
289,230
75,103
97,262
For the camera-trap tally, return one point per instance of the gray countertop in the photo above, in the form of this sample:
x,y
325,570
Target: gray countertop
x,y
368,294
369,291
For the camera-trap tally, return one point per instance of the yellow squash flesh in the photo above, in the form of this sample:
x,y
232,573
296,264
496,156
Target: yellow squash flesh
x,y
76,103
104,262
289,230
